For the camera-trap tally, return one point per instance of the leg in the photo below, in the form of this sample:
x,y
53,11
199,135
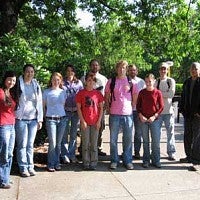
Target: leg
x,y
169,125
155,143
86,147
61,127
137,135
21,128
114,125
145,137
127,126
93,147
32,130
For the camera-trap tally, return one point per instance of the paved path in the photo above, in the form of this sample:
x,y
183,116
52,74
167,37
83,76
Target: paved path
x,y
173,181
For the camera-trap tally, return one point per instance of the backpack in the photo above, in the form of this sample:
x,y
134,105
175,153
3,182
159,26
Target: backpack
x,y
168,83
112,86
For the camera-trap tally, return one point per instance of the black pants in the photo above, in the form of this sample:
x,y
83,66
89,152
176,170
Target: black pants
x,y
192,137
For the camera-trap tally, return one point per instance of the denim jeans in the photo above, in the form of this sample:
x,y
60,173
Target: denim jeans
x,y
126,123
68,145
168,120
155,141
25,136
55,131
137,132
89,146
7,141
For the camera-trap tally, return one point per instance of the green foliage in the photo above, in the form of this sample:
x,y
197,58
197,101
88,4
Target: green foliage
x,y
179,87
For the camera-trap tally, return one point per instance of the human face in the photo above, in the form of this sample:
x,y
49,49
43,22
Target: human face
x,y
70,72
56,81
121,70
194,72
132,72
10,82
94,67
149,83
29,74
163,71
89,82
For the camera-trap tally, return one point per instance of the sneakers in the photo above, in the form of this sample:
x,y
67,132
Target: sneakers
x,y
66,160
194,168
101,153
113,165
3,186
24,174
58,168
185,160
137,156
129,166
86,167
32,172
157,165
51,170
74,160
172,158
145,165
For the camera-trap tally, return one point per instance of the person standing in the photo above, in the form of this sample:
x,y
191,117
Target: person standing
x,y
72,86
167,87
190,108
149,106
54,98
90,109
120,95
100,84
8,99
132,73
29,118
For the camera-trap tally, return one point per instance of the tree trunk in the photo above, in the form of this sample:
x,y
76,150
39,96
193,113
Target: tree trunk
x,y
9,12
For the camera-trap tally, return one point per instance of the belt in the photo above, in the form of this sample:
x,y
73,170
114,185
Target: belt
x,y
55,118
71,111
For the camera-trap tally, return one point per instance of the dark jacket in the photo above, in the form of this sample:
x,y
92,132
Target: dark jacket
x,y
189,110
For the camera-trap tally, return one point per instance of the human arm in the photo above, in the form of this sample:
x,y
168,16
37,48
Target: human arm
x,y
82,120
98,124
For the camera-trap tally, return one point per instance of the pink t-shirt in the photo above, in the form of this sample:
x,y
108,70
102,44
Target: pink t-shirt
x,y
122,104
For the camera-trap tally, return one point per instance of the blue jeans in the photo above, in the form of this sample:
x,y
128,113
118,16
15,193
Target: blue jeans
x,y
55,131
25,136
168,120
126,123
89,146
68,146
7,141
155,141
137,132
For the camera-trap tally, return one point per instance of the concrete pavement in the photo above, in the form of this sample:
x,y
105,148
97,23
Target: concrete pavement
x,y
173,181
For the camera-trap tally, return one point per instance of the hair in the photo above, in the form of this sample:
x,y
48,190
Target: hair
x,y
56,74
13,91
151,76
121,62
28,65
90,75
75,79
94,60
132,65
195,65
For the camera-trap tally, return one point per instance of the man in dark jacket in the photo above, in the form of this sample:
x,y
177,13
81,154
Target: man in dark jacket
x,y
190,108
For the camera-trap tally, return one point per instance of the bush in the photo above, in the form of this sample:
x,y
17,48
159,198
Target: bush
x,y
179,88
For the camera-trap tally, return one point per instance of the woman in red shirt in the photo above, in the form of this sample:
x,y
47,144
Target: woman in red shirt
x,y
149,106
7,130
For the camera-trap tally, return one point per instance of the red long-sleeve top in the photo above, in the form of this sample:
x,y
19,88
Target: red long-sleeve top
x,y
149,102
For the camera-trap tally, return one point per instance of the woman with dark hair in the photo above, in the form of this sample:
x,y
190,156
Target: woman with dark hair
x,y
7,130
29,117
54,111
72,86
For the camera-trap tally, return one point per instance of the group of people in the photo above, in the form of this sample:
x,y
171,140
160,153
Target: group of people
x,y
135,107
